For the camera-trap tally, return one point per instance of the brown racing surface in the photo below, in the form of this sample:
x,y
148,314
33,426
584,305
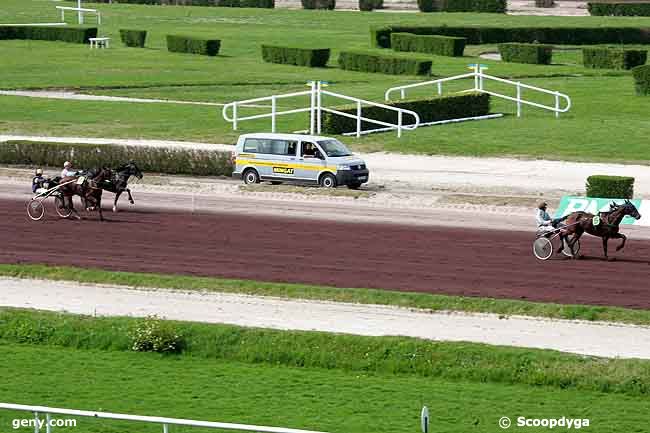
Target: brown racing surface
x,y
421,259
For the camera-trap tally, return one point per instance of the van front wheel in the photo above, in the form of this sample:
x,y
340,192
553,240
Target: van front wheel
x,y
251,177
327,181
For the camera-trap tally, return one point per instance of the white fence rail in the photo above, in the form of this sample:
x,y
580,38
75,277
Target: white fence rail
x,y
164,422
479,86
80,12
316,108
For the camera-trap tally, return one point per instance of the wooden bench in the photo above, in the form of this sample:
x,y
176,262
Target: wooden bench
x,y
81,13
99,42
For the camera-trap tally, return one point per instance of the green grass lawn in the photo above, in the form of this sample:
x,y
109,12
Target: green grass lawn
x,y
606,114
327,400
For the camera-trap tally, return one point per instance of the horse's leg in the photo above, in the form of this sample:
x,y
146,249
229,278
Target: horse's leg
x,y
620,236
572,242
128,191
70,206
605,239
117,197
99,206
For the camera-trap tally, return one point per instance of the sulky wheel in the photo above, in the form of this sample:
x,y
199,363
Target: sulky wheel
x,y
543,248
35,209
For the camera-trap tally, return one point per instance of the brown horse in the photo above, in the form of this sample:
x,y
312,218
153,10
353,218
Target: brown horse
x,y
88,190
607,227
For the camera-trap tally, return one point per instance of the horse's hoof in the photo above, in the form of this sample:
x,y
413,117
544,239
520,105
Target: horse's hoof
x,y
114,209
132,202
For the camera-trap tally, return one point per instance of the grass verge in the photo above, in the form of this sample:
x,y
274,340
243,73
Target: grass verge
x,y
397,356
303,291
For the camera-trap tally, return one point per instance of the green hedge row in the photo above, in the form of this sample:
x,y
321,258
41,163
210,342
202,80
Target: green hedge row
x,y
223,3
133,38
368,5
78,35
526,53
369,62
610,186
440,45
151,159
642,80
193,45
620,9
429,110
613,58
380,36
296,56
319,4
492,6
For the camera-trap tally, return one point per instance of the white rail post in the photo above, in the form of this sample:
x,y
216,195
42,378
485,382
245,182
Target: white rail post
x,y
319,119
48,428
358,119
399,123
557,105
62,15
80,14
36,428
476,76
273,113
234,116
439,88
518,99
402,94
312,117
165,428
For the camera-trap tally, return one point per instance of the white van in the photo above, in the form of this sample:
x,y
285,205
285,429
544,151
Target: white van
x,y
307,159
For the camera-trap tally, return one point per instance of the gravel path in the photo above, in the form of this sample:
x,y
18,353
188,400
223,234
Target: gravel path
x,y
586,338
462,174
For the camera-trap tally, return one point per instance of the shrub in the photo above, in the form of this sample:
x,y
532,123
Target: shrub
x,y
380,36
368,62
296,56
133,38
440,45
318,4
78,35
429,110
192,45
610,186
151,159
226,3
526,53
620,9
544,3
153,334
613,58
494,6
642,80
368,5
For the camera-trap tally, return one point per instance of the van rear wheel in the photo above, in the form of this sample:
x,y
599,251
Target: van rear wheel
x,y
251,177
327,181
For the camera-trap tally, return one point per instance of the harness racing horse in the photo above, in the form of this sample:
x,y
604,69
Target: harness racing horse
x,y
117,183
607,224
88,190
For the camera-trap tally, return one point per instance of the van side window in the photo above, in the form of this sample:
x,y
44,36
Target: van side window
x,y
253,145
270,147
308,149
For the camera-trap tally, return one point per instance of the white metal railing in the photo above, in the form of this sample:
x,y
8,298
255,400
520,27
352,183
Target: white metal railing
x,y
316,108
479,78
80,12
165,422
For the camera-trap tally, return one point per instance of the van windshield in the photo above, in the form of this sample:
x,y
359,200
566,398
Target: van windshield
x,y
334,148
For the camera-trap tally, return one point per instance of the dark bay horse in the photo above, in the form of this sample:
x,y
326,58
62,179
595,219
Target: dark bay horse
x,y
88,190
607,227
117,183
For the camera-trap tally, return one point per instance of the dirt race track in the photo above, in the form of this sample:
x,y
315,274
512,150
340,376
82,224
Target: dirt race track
x,y
424,259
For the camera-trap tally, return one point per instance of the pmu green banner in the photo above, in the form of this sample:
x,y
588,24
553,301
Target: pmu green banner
x,y
594,205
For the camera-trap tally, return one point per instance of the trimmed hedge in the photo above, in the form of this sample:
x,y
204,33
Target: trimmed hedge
x,y
610,186
192,45
133,38
429,110
619,9
613,58
150,159
380,36
492,6
526,53
368,62
77,35
544,3
440,45
296,56
319,4
270,4
368,5
642,80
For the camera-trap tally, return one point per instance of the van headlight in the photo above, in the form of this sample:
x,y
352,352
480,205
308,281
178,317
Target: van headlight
x,y
343,167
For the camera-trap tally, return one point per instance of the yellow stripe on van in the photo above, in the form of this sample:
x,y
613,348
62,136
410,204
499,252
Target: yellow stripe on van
x,y
286,165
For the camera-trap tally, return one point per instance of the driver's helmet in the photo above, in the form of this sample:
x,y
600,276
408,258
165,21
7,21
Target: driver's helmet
x,y
542,205
39,172
67,164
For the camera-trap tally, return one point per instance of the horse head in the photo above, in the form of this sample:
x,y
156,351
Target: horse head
x,y
129,169
631,210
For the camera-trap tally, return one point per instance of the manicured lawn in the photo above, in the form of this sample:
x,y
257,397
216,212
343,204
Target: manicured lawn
x,y
327,400
302,291
607,121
